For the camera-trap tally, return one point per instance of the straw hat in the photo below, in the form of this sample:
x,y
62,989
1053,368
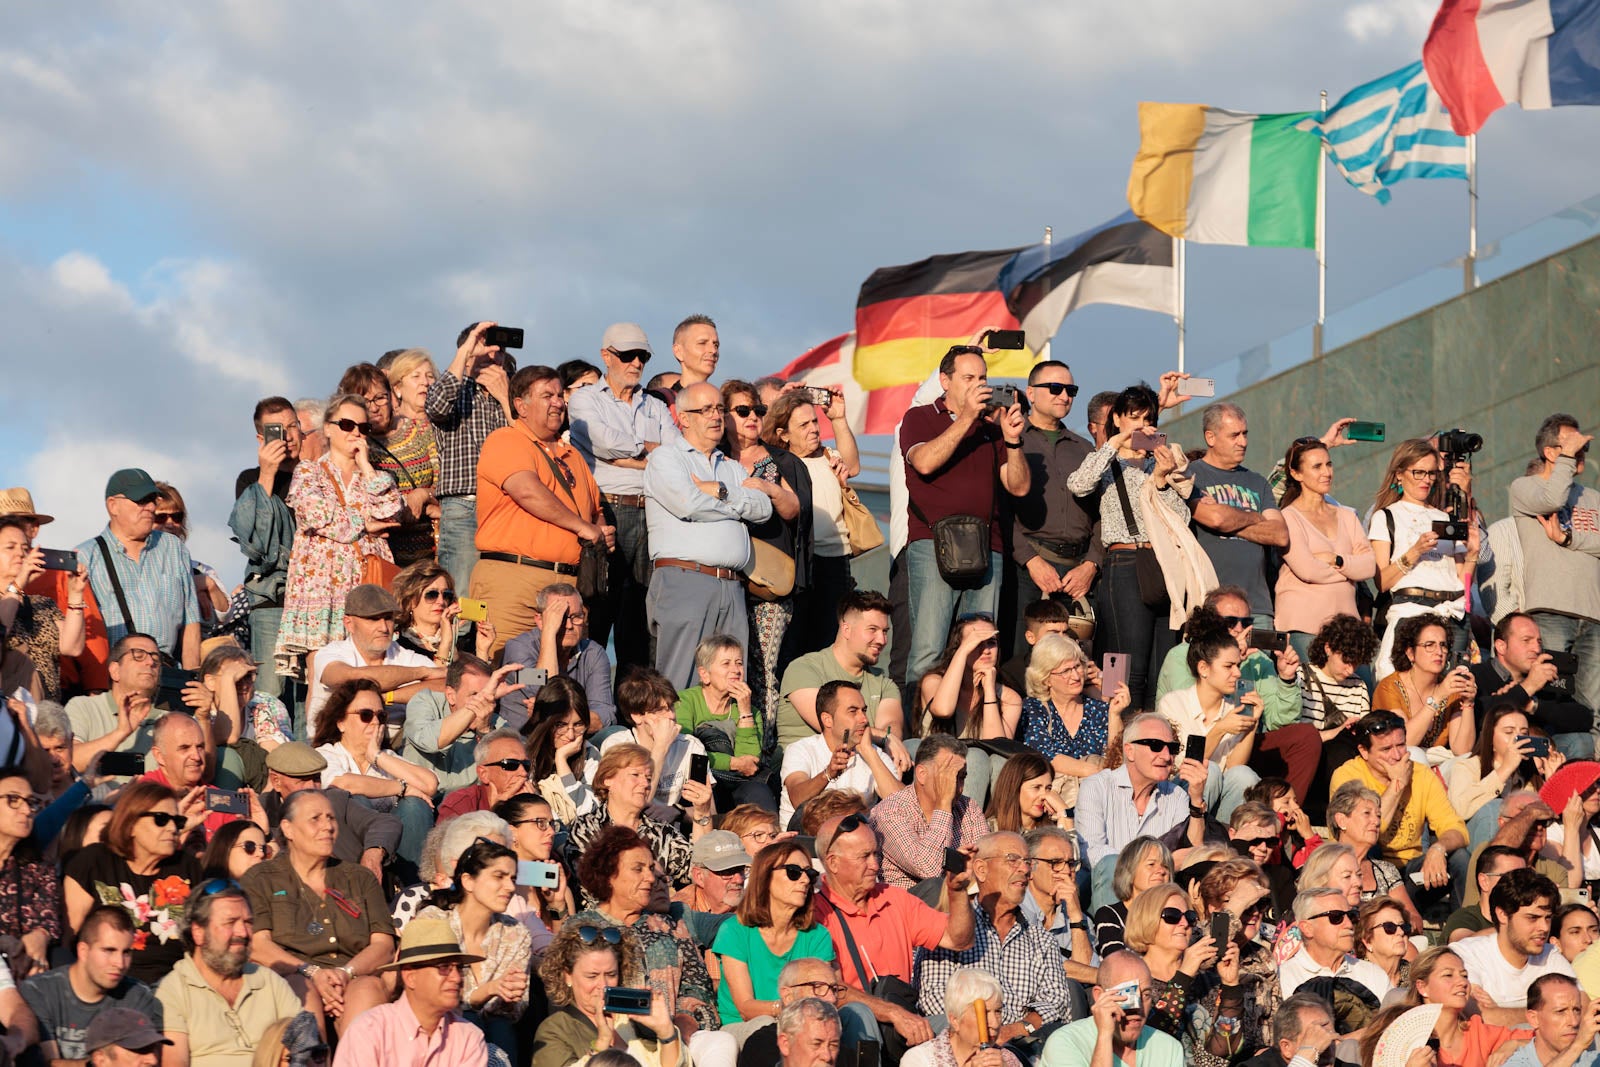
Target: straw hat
x,y
425,941
18,501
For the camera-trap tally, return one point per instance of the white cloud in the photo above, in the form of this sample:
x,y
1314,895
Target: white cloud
x,y
1367,22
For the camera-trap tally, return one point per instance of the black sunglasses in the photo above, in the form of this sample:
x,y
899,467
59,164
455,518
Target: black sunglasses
x,y
351,426
1156,745
510,764
744,410
170,516
1057,388
1235,621
251,847
851,823
609,934
162,818
1173,916
1337,918
632,354
1401,927
367,715
1248,843
797,872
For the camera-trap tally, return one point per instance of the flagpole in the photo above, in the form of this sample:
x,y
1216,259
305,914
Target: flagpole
x,y
1044,351
1178,281
1322,237
1469,266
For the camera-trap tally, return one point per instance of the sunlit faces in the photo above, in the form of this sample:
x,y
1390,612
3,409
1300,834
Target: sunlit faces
x,y
1449,984
863,635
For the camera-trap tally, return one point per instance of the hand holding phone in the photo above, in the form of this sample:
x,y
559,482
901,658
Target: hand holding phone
x,y
1113,673
1147,440
1194,747
700,768
60,559
535,874
473,610
1196,387
955,861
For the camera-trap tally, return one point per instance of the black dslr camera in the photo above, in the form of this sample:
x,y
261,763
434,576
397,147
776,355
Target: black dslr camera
x,y
1455,446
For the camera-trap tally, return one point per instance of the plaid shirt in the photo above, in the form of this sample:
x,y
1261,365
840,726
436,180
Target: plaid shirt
x,y
463,415
913,847
1026,963
159,586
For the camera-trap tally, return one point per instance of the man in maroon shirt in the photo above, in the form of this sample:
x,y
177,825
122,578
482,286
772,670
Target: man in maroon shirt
x,y
958,450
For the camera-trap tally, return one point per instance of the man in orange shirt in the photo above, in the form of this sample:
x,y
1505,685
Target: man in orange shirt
x,y
537,502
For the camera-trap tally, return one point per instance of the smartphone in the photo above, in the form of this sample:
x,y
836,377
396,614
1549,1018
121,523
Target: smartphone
x,y
1365,431
1129,992
1194,747
1147,440
1539,746
955,861
623,1000
226,801
1565,663
821,397
121,764
529,678
1450,529
473,610
1003,396
1113,672
1458,659
60,559
271,431
1219,930
866,1053
1197,387
503,336
1269,640
1005,339
535,874
700,768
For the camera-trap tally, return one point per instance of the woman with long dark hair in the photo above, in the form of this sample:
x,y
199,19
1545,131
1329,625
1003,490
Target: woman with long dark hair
x,y
1022,798
1435,699
962,695
234,849
558,755
1328,550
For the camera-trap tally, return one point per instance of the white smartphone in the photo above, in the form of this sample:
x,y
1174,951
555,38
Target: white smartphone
x,y
1197,387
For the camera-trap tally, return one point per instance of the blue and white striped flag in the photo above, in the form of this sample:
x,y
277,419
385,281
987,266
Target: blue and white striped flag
x,y
1390,129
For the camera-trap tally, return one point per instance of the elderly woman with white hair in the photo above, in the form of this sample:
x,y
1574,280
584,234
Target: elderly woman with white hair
x,y
972,1001
1061,721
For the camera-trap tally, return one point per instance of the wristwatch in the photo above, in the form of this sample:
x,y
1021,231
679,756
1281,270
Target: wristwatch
x,y
1028,1026
722,491
1338,562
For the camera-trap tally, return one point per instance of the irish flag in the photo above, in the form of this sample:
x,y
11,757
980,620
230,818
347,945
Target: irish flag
x,y
1226,177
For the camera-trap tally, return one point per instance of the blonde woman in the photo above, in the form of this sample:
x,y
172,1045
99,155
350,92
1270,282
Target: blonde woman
x,y
1061,721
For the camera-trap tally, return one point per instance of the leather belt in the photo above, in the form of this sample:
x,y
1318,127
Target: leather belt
x,y
623,501
1424,596
1127,546
725,573
529,561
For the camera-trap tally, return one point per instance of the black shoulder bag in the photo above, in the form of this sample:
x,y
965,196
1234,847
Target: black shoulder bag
x,y
1146,567
960,545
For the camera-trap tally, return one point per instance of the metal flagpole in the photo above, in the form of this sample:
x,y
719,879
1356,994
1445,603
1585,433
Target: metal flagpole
x,y
1179,281
1322,240
1469,266
1044,351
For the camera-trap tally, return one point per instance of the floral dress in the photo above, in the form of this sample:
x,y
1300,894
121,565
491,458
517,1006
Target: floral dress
x,y
411,454
769,619
155,902
330,541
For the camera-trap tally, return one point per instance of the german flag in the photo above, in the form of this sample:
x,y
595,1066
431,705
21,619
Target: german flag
x,y
907,317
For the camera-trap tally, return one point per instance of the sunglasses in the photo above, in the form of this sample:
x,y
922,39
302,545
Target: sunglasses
x,y
609,934
351,426
797,872
1156,745
171,516
964,350
1172,917
851,823
252,847
632,354
744,410
1336,918
214,886
510,764
367,715
162,818
1057,388
431,595
1233,622
1248,843
1401,927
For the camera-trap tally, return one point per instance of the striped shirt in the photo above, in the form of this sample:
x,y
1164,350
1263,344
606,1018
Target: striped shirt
x,y
1325,703
463,414
159,586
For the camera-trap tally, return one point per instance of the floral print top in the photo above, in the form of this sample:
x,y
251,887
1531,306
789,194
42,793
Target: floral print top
x,y
155,902
29,898
1044,731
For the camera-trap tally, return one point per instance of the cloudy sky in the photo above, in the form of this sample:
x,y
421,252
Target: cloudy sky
x,y
203,204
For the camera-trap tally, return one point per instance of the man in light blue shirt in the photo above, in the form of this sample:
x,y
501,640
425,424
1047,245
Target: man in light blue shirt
x,y
616,425
1564,1029
1140,799
153,575
697,502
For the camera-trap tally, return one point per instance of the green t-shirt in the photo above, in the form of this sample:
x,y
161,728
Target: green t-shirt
x,y
810,672
1469,919
1073,1046
739,942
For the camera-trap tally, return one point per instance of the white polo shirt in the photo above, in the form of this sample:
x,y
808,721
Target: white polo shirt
x,y
1508,985
1301,968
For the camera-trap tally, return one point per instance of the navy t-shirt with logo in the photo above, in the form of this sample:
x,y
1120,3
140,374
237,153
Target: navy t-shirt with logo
x,y
1238,562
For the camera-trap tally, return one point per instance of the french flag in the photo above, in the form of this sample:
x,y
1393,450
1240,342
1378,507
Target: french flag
x,y
1484,54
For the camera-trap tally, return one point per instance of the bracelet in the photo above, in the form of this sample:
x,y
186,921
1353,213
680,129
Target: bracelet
x,y
669,1039
1196,812
1013,444
77,607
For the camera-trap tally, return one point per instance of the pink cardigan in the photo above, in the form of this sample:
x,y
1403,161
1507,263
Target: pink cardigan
x,y
1310,591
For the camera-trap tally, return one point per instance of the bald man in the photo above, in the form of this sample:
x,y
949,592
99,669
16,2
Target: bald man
x,y
1115,1032
699,506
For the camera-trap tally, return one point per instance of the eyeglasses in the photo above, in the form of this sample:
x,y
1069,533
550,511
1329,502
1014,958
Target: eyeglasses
x,y
1431,646
964,350
22,800
709,409
1422,474
797,872
631,354
820,989
431,595
251,847
1173,916
1156,745
351,426
510,764
162,818
367,715
141,655
1235,621
1057,866
744,410
1248,843
590,934
171,516
1336,918
1401,927
741,872
447,967
1057,388
539,823
1011,859
1074,667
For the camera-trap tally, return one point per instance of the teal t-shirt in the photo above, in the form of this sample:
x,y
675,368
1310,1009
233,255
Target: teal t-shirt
x,y
1073,1046
737,941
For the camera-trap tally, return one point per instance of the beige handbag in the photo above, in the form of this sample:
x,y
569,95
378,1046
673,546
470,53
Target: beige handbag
x,y
771,574
861,529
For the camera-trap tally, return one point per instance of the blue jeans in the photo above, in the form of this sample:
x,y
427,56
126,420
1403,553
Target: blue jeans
x,y
935,604
416,819
1225,789
458,538
1456,863
1485,823
1581,637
